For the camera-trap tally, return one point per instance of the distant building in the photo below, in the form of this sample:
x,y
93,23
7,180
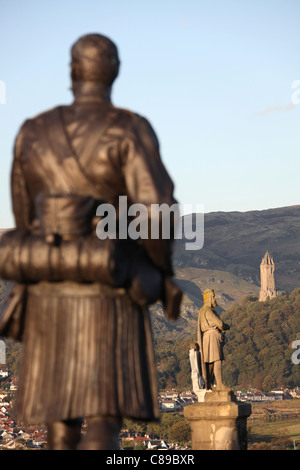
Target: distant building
x,y
267,281
169,405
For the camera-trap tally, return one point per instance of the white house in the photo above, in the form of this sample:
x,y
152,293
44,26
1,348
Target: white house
x,y
170,405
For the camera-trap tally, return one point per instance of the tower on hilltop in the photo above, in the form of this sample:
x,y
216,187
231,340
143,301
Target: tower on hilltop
x,y
267,281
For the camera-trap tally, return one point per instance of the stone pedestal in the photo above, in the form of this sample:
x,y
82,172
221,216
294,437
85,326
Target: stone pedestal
x,y
219,422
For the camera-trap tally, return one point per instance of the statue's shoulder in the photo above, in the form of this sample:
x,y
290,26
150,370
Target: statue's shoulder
x,y
125,113
133,120
205,308
33,125
45,114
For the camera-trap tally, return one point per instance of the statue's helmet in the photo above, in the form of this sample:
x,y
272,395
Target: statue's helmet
x,y
94,58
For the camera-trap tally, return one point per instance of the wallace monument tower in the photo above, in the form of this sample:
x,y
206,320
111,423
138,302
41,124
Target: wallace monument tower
x,y
267,287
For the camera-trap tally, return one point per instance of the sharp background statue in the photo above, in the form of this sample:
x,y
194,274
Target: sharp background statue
x,y
88,350
210,338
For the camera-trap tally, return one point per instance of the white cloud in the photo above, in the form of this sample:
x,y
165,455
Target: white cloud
x,y
277,107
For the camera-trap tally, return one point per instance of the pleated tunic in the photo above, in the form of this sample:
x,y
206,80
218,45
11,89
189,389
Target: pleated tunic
x,y
88,352
212,346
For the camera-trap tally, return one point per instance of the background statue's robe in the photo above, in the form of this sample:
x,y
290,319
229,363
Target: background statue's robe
x,y
210,328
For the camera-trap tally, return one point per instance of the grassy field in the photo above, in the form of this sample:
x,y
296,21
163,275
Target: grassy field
x,y
275,425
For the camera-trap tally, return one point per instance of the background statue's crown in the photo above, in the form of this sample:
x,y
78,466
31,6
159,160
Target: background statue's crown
x,y
208,294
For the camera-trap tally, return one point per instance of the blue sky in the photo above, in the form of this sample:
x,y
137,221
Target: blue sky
x,y
213,77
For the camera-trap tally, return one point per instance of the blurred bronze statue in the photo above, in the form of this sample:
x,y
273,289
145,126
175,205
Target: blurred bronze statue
x,y
211,340
88,350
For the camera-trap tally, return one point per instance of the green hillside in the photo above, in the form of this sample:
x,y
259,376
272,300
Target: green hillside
x,y
229,263
258,350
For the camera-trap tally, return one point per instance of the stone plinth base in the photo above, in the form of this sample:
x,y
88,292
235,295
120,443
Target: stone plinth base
x,y
219,422
201,394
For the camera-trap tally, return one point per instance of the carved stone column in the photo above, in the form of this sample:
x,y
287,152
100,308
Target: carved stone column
x,y
219,422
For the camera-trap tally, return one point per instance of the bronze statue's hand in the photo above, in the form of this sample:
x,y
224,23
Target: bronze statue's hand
x,y
172,299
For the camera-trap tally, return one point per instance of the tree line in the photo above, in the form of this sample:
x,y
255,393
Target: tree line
x,y
259,349
257,352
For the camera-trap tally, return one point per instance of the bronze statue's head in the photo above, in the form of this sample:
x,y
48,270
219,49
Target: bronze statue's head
x,y
209,298
94,58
